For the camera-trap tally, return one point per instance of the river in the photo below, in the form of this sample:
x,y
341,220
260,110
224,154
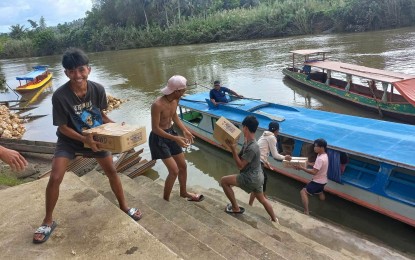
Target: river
x,y
251,68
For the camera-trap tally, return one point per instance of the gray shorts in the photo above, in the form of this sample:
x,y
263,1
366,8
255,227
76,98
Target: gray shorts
x,y
70,150
250,184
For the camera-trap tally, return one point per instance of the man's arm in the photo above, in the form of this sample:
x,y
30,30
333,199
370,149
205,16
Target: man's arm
x,y
235,94
105,118
186,132
240,163
272,143
86,139
13,158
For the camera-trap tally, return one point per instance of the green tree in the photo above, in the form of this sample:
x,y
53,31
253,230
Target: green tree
x,y
17,31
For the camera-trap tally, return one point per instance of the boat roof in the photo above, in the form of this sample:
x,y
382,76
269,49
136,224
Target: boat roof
x,y
389,142
37,71
360,71
309,52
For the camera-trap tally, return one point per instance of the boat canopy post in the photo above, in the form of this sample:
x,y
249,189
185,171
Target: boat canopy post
x,y
293,62
328,77
385,91
349,82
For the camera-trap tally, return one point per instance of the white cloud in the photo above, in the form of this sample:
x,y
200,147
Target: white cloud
x,y
54,11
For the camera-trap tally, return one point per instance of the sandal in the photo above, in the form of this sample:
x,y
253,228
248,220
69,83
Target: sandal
x,y
132,213
46,231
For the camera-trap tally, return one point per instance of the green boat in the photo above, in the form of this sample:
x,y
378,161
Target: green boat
x,y
387,93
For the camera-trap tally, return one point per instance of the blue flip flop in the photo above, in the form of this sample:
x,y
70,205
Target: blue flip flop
x,y
46,231
229,210
131,212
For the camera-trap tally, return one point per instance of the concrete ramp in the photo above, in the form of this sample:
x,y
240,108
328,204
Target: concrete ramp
x,y
89,226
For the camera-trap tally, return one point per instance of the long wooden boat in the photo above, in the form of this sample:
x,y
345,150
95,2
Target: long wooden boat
x,y
38,77
380,174
387,93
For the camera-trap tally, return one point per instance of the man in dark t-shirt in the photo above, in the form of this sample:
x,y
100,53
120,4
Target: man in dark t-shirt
x,y
78,105
218,94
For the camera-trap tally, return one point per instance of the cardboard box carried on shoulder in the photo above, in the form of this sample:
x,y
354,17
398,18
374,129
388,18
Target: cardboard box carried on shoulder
x,y
300,161
225,130
118,138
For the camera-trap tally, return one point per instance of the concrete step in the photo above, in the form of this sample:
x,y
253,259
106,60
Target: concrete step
x,y
304,228
89,226
174,228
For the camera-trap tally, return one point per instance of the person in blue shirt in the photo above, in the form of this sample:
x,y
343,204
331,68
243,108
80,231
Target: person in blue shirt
x,y
217,94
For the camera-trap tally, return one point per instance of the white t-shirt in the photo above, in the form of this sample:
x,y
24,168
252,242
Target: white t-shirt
x,y
322,165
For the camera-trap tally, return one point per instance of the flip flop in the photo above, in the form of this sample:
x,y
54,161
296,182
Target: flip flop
x,y
196,198
46,231
229,210
131,212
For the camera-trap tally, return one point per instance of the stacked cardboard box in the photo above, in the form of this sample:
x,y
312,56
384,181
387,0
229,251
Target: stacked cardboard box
x,y
225,130
118,138
298,161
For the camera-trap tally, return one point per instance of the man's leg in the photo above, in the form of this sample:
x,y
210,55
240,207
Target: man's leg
x,y
268,207
304,199
182,174
227,182
322,196
52,190
171,178
251,199
107,165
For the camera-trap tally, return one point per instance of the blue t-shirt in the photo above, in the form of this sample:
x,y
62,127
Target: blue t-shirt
x,y
219,95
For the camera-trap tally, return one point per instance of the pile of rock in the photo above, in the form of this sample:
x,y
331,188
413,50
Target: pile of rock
x,y
113,103
11,126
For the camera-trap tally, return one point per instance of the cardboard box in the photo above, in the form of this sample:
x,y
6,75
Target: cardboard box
x,y
300,161
118,138
225,130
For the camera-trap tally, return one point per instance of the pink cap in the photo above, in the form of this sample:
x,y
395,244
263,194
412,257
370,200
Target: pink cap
x,y
176,82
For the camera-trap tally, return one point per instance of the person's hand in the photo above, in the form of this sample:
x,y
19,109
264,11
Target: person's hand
x,y
230,144
94,145
188,136
288,158
297,167
13,158
182,141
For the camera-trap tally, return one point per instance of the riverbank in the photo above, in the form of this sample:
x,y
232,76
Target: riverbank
x,y
38,164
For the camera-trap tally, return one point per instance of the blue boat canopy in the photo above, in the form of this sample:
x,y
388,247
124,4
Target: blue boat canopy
x,y
38,70
379,140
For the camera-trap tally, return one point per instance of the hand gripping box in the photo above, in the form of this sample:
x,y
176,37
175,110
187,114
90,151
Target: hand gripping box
x,y
118,138
225,130
300,161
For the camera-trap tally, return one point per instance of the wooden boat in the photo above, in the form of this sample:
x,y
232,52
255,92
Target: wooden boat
x,y
35,79
387,93
380,174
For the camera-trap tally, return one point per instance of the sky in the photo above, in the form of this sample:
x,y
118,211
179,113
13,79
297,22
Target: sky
x,y
14,12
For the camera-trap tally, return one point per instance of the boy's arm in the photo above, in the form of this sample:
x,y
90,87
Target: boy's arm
x,y
186,132
105,118
86,139
240,163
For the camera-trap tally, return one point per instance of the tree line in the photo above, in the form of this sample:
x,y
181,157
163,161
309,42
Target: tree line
x,y
127,24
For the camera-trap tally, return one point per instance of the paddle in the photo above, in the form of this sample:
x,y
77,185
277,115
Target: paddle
x,y
201,101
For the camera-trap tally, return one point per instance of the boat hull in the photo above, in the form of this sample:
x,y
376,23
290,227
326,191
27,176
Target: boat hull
x,y
31,86
386,188
401,112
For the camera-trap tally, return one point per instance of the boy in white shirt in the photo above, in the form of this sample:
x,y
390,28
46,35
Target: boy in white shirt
x,y
268,144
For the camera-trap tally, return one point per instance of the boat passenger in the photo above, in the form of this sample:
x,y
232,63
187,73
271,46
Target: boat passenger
x,y
251,177
165,143
13,158
319,172
218,93
268,144
76,105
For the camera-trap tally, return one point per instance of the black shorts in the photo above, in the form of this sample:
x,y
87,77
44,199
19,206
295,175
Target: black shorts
x,y
163,148
314,188
264,187
70,149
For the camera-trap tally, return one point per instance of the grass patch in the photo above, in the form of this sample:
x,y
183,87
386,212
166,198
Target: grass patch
x,y
7,180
